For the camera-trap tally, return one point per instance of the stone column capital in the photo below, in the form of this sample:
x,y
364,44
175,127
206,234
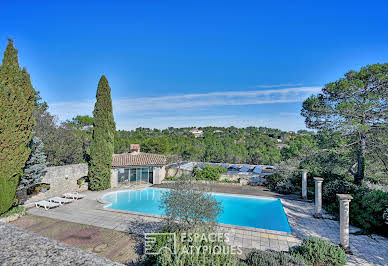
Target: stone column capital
x,y
344,197
318,179
304,170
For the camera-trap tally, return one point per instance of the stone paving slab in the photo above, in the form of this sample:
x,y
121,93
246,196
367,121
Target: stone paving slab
x,y
367,250
117,246
21,247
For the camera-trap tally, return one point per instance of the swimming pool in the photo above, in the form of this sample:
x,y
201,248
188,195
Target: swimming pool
x,y
238,210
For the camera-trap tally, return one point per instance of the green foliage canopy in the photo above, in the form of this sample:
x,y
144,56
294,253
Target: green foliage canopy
x,y
208,172
355,105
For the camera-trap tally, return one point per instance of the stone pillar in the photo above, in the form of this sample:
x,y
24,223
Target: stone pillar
x,y
318,197
344,200
156,176
304,184
114,178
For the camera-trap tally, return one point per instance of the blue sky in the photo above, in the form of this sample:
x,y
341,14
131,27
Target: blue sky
x,y
193,63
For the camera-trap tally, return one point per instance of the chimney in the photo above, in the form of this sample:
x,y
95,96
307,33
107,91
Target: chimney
x,y
134,148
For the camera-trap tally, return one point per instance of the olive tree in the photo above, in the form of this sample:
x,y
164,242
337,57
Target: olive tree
x,y
188,205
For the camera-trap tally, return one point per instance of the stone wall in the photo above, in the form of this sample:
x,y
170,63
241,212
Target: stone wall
x,y
176,172
62,179
159,174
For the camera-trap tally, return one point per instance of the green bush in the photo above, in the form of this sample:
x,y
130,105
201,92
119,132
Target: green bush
x,y
367,211
315,251
171,178
285,188
272,181
225,180
183,254
271,258
280,183
14,210
208,172
330,191
385,215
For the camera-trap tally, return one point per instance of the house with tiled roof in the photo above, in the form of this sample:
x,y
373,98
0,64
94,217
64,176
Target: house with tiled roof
x,y
137,167
198,133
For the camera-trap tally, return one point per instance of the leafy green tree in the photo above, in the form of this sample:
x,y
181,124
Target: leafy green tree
x,y
62,143
301,145
189,206
102,146
155,145
83,128
214,150
17,100
82,121
354,105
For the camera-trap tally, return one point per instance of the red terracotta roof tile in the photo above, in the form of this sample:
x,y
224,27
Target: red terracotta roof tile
x,y
138,159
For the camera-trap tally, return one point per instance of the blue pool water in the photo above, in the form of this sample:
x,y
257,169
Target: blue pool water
x,y
238,210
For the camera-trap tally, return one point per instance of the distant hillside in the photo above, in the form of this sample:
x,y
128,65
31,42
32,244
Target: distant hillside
x,y
249,145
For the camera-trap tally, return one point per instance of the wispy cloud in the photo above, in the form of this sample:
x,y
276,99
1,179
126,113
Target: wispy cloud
x,y
278,85
66,110
289,114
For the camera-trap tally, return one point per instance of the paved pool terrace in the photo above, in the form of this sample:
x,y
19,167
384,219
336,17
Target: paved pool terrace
x,y
367,250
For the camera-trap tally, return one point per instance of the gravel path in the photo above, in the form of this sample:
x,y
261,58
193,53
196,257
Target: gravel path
x,y
20,247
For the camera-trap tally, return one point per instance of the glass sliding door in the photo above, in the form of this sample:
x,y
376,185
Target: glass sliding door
x,y
144,175
132,176
123,175
139,175
151,175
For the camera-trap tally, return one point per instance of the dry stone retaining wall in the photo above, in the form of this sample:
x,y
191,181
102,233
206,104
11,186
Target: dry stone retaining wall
x,y
62,179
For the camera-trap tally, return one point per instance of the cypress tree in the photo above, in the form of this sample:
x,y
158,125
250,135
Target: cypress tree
x,y
102,145
17,99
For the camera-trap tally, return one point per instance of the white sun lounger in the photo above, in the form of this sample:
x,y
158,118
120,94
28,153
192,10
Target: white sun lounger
x,y
75,196
46,204
59,200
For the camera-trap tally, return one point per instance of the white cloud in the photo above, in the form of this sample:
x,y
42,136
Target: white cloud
x,y
289,114
67,110
278,85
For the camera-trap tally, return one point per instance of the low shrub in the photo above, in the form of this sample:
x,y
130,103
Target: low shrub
x,y
274,180
367,211
191,250
285,188
271,258
280,183
385,215
315,251
81,182
330,191
208,172
225,180
171,178
14,210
